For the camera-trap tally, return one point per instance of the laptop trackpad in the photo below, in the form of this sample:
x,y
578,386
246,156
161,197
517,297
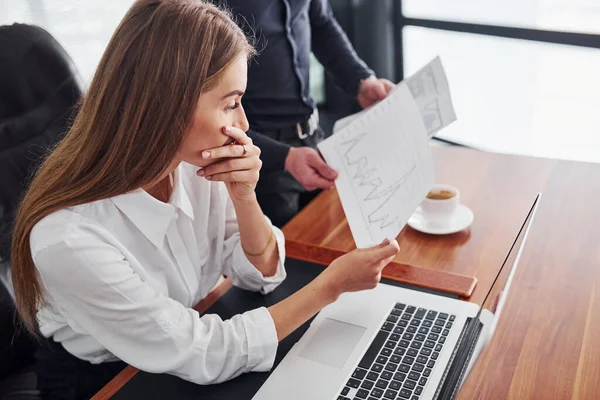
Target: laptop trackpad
x,y
332,343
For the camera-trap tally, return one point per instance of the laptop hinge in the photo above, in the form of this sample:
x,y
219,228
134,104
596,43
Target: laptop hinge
x,y
459,360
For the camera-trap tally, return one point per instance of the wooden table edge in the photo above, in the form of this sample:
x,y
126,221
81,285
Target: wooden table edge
x,y
441,281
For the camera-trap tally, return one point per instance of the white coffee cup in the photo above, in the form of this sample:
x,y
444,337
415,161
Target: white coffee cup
x,y
440,211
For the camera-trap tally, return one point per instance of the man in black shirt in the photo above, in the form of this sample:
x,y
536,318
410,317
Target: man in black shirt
x,y
282,115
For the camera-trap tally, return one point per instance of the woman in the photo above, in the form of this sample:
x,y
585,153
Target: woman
x,y
132,218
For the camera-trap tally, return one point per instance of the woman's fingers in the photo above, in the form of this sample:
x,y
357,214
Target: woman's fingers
x,y
390,249
384,253
238,134
248,176
385,249
242,147
227,151
229,165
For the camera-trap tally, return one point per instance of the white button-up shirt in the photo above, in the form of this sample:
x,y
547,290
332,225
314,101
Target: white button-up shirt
x,y
122,274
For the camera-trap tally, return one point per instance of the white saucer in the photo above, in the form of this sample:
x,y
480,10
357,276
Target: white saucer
x,y
462,219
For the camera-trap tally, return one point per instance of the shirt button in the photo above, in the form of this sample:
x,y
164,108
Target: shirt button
x,y
304,98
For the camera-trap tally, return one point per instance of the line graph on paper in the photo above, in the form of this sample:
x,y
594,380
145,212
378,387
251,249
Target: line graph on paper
x,y
431,92
385,167
370,187
383,157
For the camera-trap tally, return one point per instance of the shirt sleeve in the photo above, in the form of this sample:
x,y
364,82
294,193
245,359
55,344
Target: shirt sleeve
x,y
273,153
96,289
242,272
333,49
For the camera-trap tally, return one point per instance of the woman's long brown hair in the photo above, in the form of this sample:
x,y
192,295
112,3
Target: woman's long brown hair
x,y
137,110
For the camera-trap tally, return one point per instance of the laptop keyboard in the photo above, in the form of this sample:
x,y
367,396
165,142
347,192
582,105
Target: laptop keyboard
x,y
400,359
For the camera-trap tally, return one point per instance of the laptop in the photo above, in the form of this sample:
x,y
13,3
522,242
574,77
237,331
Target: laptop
x,y
392,342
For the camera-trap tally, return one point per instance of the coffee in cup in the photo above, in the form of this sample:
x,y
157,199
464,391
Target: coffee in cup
x,y
440,204
441,194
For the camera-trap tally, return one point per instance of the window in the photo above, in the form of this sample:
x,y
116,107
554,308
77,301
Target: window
x,y
523,73
581,16
82,27
515,96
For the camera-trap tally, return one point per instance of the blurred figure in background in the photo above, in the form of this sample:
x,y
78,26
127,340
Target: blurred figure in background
x,y
283,116
39,89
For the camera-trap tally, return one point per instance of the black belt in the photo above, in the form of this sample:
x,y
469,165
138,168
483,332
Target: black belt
x,y
300,130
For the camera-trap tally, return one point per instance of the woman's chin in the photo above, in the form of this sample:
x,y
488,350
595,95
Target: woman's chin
x,y
200,162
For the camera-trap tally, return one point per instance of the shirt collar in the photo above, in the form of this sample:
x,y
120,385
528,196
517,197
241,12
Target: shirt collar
x,y
151,216
179,197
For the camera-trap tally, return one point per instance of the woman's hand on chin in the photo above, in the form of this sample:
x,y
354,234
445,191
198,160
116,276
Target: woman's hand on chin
x,y
237,164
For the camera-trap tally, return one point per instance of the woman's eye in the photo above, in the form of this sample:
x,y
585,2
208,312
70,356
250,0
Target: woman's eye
x,y
233,107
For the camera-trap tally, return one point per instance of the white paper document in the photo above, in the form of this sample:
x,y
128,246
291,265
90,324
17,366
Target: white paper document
x,y
385,166
429,87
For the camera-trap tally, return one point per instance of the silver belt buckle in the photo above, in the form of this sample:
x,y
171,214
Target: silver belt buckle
x,y
313,122
301,134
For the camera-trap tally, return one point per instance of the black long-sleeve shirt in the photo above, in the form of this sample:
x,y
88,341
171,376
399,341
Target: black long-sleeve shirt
x,y
278,92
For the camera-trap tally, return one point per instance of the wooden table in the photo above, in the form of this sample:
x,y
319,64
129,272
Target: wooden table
x,y
547,344
487,183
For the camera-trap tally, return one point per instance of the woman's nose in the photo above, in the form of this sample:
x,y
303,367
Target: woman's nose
x,y
242,121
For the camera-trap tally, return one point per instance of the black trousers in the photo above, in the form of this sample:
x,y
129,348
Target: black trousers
x,y
62,376
279,194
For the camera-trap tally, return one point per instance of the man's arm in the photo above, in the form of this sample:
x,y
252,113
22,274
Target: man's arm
x,y
304,163
333,49
273,153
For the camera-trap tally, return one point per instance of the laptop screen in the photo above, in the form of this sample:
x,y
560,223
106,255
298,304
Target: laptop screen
x,y
496,297
479,329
